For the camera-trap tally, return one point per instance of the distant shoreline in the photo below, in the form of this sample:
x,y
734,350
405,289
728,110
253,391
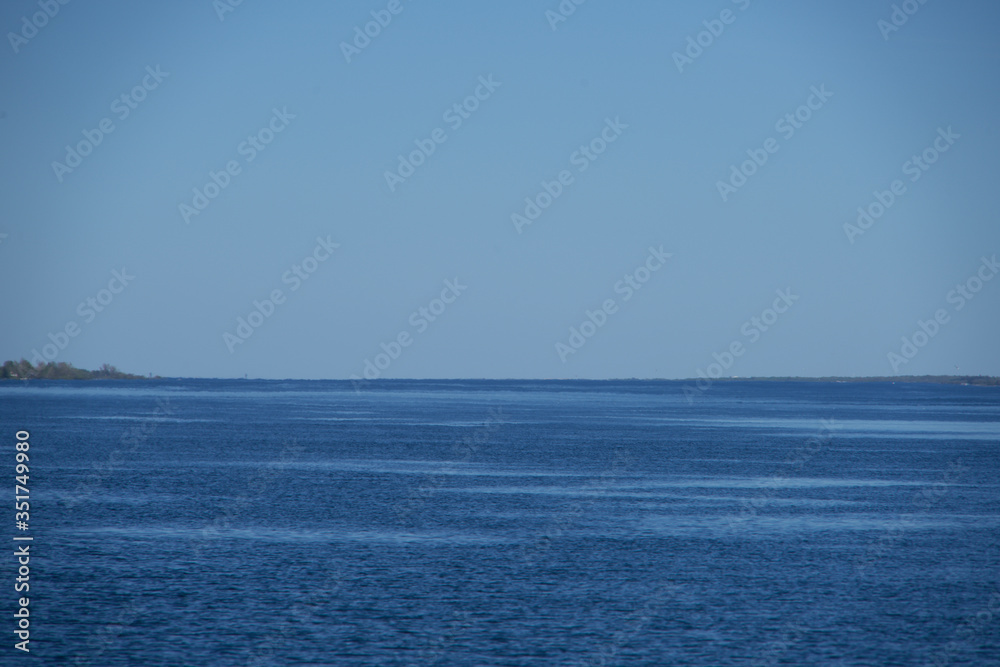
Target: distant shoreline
x,y
24,370
978,380
68,372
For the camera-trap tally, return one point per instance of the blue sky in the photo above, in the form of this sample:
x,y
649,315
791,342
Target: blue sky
x,y
518,291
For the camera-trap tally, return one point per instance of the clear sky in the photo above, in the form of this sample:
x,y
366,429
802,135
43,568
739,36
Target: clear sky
x,y
309,118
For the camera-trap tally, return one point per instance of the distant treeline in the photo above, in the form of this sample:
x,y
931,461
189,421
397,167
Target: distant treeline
x,y
23,370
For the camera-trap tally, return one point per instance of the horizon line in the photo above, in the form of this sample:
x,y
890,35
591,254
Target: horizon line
x,y
755,378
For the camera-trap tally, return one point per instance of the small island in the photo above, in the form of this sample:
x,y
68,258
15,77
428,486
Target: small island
x,y
23,370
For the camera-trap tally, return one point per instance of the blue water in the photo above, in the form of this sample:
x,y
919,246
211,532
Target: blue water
x,y
509,523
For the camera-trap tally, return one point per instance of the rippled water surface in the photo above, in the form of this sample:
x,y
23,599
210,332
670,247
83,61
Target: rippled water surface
x,y
510,523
